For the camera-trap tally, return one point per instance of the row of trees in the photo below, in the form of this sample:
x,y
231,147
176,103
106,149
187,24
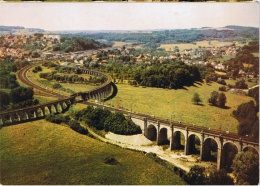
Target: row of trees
x,y
71,79
105,119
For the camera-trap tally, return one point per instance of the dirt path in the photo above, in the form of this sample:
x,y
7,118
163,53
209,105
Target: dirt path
x,y
141,143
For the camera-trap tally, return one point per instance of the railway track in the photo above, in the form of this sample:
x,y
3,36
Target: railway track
x,y
40,90
226,135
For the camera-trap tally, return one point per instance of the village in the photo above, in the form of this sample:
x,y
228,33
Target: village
x,y
40,47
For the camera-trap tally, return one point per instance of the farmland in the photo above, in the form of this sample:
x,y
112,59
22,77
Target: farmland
x,y
183,46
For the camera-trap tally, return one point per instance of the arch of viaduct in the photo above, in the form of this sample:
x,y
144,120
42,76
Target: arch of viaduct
x,y
61,105
162,132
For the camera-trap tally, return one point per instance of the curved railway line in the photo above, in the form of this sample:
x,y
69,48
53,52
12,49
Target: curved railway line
x,y
22,76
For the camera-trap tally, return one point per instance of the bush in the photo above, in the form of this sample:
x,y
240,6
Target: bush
x,y
195,176
118,124
217,99
221,81
104,119
54,118
74,125
56,86
241,84
219,178
246,168
222,88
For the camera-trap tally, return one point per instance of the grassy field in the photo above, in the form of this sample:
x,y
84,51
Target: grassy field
x,y
224,58
48,154
246,65
44,99
120,43
164,102
250,84
256,54
183,46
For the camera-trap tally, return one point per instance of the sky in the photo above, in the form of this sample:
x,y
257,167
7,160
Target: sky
x,y
128,16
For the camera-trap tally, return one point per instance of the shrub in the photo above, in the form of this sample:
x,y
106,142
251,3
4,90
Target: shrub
x,y
217,99
221,81
74,125
56,86
54,118
222,88
118,124
241,84
196,98
195,176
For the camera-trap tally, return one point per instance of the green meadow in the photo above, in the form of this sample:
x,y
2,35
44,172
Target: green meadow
x,y
43,153
183,46
164,103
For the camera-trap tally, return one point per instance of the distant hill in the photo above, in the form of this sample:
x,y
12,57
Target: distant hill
x,y
10,28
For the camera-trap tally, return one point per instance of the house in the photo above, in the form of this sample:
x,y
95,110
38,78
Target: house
x,y
250,75
220,66
241,72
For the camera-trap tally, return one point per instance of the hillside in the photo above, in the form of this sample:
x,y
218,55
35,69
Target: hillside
x,y
43,153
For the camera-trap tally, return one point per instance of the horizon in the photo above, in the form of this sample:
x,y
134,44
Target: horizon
x,y
128,16
143,30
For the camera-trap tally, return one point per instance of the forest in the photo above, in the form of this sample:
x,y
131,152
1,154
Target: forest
x,y
155,38
73,44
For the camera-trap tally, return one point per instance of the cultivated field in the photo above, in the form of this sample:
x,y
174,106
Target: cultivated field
x,y
183,46
164,102
120,43
48,154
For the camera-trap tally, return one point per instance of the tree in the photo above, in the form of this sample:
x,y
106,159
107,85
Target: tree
x,y
4,99
241,84
219,178
221,101
246,168
35,54
246,114
195,176
196,98
21,94
213,98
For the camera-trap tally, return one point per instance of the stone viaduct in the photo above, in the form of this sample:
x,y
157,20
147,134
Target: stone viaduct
x,y
196,140
190,139
40,111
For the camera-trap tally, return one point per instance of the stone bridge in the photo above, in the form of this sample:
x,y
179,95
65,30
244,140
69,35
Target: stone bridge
x,y
36,112
197,140
61,105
